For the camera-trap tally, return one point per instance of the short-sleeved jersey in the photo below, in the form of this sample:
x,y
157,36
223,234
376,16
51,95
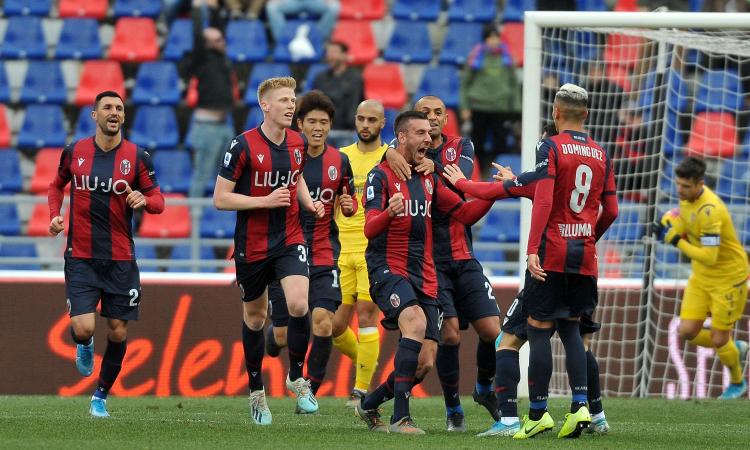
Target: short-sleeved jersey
x,y
257,166
582,174
101,223
351,229
709,224
405,248
326,176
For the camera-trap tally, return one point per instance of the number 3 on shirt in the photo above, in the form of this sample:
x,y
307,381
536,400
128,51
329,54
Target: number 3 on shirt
x,y
583,184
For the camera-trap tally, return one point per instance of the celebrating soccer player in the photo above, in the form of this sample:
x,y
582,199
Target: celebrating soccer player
x,y
401,266
261,178
111,178
702,230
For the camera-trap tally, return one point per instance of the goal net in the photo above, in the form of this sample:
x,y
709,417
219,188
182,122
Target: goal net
x,y
661,86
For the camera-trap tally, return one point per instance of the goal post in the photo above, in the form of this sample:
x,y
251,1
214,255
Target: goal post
x,y
662,85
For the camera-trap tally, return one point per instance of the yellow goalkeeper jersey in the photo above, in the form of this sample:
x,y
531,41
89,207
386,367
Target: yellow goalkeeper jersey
x,y
716,255
352,229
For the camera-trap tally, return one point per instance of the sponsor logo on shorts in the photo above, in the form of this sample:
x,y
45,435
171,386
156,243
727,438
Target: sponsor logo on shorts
x,y
395,300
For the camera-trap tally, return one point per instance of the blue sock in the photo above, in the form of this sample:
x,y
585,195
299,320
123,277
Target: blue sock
x,y
483,389
450,410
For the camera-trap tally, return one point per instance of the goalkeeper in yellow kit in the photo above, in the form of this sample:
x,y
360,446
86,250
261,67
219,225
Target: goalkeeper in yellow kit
x,y
702,230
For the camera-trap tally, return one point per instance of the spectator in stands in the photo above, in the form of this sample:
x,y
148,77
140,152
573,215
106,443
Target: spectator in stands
x,y
605,105
210,65
490,94
344,86
249,8
277,10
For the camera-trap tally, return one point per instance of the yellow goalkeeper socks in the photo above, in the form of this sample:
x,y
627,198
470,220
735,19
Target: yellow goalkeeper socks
x,y
367,357
730,357
703,339
347,344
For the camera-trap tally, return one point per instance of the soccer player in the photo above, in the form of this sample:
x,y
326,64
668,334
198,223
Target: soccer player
x,y
329,178
261,178
111,178
702,230
363,348
575,179
401,266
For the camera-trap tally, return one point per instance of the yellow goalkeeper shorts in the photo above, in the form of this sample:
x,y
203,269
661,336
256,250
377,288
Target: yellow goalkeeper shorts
x,y
725,305
355,283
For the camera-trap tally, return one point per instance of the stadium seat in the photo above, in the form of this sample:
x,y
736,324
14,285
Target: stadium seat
x,y
585,46
155,127
387,134
312,72
713,134
629,225
472,11
409,43
281,51
626,6
44,83
619,75
135,40
217,224
179,40
501,226
10,171
45,169
137,8
734,181
174,222
442,81
363,9
85,126
254,117
182,252
43,126
260,72
173,169
424,10
512,36
358,36
79,39
719,90
514,9
4,127
460,38
11,223
98,76
39,221
591,5
188,143
95,9
157,83
623,50
146,251
23,39
27,8
18,251
4,87
385,82
246,41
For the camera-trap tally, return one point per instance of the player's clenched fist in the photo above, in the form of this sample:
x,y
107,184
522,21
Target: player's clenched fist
x,y
56,226
346,202
279,198
396,205
318,209
135,199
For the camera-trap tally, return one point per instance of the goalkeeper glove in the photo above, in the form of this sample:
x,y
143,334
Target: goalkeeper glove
x,y
670,228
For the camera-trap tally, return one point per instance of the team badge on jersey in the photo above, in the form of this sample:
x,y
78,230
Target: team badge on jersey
x,y
298,156
395,300
450,154
428,185
125,167
332,173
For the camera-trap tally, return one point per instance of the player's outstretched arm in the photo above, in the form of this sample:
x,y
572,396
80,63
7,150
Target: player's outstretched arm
x,y
448,202
226,200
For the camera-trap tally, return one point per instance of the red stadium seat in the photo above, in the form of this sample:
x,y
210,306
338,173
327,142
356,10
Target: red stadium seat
x,y
39,220
626,6
47,161
362,9
512,37
96,9
174,222
4,128
135,40
713,134
384,82
358,36
98,76
619,75
623,50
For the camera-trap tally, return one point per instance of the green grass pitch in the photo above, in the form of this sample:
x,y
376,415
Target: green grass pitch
x,y
175,422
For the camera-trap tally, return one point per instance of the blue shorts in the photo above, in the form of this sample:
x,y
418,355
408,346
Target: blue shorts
x,y
253,278
464,291
324,292
116,283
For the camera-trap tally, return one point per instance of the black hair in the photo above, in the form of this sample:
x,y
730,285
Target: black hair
x,y
404,118
101,95
549,129
313,100
342,45
488,30
691,168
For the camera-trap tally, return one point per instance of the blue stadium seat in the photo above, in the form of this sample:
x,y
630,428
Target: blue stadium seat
x,y
10,171
628,226
312,72
217,224
174,169
155,127
734,181
254,117
472,11
510,159
183,252
246,41
416,10
85,126
146,251
281,51
43,126
387,134
18,251
460,38
4,87
137,8
501,226
514,9
484,255
179,40
260,72
79,39
23,39
591,5
678,92
585,46
27,7
11,223
409,43
442,81
157,83
719,90
44,83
